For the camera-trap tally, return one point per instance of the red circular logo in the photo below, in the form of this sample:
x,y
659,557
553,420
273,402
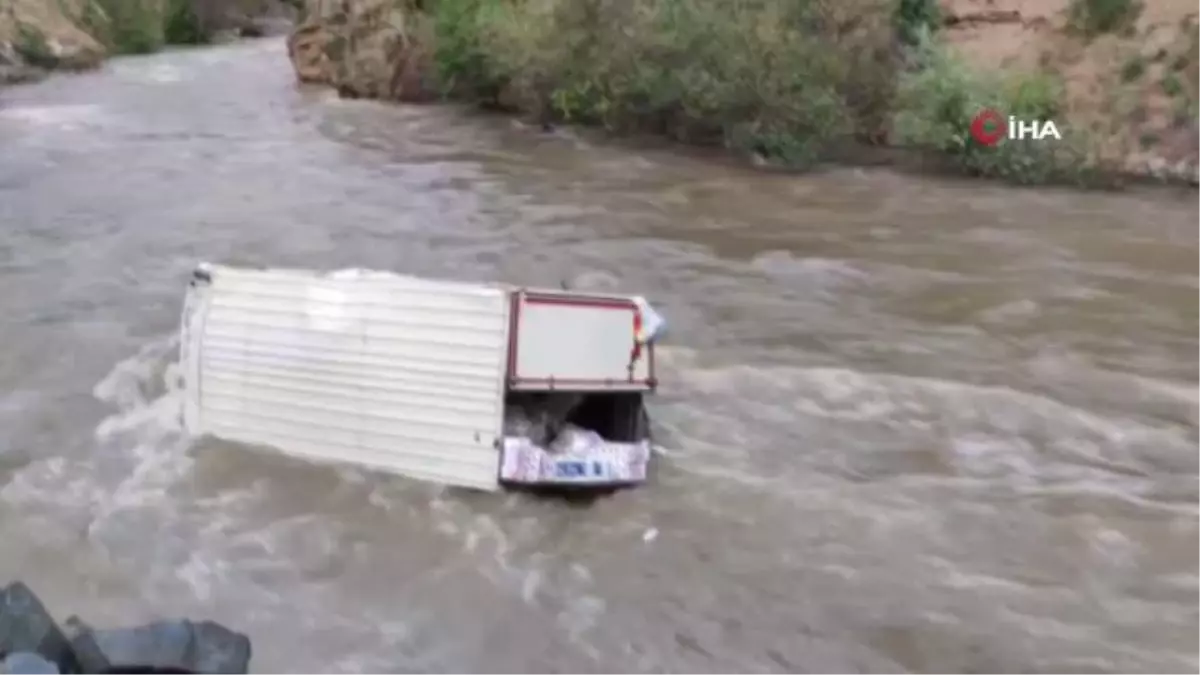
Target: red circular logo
x,y
988,128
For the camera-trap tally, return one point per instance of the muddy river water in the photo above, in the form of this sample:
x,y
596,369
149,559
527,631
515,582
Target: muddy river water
x,y
906,424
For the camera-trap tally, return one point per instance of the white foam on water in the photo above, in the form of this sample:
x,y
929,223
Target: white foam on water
x,y
1176,400
815,271
161,73
532,577
35,483
115,495
214,555
63,117
729,418
146,391
596,281
996,437
1011,311
144,439
203,550
146,422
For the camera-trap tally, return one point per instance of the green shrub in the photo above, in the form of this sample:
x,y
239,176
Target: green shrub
x,y
181,26
143,26
762,76
135,26
784,79
1185,112
937,101
1095,17
94,20
1036,95
915,19
460,59
1133,69
1171,85
32,46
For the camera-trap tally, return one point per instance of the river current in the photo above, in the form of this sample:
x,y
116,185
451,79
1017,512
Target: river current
x,y
905,424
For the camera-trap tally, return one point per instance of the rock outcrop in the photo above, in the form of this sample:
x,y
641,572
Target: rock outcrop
x,y
365,49
36,36
32,642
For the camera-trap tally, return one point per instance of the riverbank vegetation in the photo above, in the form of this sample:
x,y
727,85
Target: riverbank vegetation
x,y
144,26
778,79
791,82
939,95
786,81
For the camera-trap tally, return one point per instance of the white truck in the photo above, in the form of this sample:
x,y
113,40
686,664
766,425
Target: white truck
x,y
475,385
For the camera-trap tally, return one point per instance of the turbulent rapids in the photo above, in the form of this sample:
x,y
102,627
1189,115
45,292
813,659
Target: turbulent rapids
x,y
906,424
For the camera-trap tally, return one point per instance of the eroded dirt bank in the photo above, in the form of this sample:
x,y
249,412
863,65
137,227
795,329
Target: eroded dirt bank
x,y
1134,91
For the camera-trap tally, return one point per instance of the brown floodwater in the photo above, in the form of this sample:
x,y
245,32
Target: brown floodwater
x,y
905,424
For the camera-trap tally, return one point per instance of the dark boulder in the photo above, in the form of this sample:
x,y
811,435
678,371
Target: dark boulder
x,y
27,663
26,626
87,651
31,642
216,649
179,646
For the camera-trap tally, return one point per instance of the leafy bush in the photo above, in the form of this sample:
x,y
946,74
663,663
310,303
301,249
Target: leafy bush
x,y
784,79
1171,85
770,77
1133,69
144,26
135,26
94,20
181,25
32,46
1094,17
915,19
936,103
462,64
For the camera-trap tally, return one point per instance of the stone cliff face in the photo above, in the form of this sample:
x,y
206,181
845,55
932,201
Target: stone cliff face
x,y
365,49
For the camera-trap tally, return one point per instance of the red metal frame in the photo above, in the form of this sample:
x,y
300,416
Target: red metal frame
x,y
526,297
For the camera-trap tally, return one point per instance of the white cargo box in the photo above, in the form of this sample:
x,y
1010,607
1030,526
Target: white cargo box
x,y
415,376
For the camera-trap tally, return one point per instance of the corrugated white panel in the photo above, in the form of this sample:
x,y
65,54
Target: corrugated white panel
x,y
390,372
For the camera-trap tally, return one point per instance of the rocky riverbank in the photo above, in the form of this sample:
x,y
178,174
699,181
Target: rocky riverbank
x,y
791,82
39,36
